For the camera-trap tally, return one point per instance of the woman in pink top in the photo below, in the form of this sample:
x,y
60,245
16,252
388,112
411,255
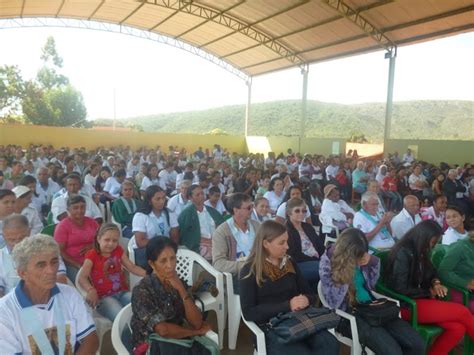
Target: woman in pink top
x,y
75,235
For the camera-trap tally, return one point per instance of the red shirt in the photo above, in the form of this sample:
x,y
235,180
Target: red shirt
x,y
106,274
389,183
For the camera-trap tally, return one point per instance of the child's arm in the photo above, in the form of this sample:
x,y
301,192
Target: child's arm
x,y
91,294
131,267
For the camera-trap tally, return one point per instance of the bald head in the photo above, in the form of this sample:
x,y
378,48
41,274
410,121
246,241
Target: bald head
x,y
411,204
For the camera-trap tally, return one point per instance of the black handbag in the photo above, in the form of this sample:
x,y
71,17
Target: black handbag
x,y
292,327
378,312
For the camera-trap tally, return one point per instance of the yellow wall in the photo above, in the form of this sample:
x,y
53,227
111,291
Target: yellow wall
x,y
78,137
451,152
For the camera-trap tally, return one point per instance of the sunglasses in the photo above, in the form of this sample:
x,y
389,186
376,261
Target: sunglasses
x,y
297,210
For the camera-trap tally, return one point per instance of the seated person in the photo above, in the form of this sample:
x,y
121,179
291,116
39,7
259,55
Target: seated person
x,y
178,202
162,305
457,268
125,207
261,210
22,206
197,223
417,182
103,276
314,199
359,178
15,229
348,276
7,207
389,188
276,193
437,212
113,185
304,246
152,219
373,186
375,226
41,314
335,208
408,217
73,186
455,219
75,235
215,200
293,192
405,276
151,178
233,239
271,283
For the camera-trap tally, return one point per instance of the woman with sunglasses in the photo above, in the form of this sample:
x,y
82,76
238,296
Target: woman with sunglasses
x,y
304,246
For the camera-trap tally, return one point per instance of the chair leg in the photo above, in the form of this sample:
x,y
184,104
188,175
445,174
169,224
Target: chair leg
x,y
234,322
220,315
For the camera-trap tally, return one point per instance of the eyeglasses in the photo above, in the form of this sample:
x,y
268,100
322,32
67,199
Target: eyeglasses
x,y
297,210
246,208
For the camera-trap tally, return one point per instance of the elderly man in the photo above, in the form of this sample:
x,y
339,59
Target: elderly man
x,y
375,226
41,316
59,205
407,218
15,229
232,240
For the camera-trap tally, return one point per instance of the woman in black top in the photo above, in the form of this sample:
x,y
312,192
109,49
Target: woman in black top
x,y
271,283
305,246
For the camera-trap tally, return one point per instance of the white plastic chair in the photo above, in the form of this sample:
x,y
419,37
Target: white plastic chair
x,y
186,260
354,344
233,310
102,324
123,320
122,241
133,279
327,227
260,337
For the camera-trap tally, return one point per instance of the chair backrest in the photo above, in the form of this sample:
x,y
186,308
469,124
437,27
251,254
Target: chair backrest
x,y
78,286
185,264
321,295
49,229
122,320
131,252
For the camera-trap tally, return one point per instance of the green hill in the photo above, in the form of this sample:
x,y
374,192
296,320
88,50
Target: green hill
x,y
411,119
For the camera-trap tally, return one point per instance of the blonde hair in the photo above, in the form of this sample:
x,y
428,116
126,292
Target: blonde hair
x,y
269,231
350,247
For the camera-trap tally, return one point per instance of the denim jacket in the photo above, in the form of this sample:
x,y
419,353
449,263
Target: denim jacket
x,y
334,294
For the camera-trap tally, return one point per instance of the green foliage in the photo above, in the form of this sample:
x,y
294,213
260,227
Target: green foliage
x,y
411,119
12,88
49,55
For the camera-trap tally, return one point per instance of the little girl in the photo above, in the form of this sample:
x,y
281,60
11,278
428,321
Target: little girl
x,y
102,276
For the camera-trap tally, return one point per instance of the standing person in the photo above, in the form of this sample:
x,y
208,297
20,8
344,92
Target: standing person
x,y
152,219
271,283
305,246
125,207
41,314
409,271
162,306
197,223
455,219
348,276
102,275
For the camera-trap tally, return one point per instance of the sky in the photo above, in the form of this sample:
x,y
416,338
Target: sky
x,y
148,77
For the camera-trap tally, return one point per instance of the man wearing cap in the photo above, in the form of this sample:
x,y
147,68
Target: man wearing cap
x,y
59,205
375,226
23,198
336,209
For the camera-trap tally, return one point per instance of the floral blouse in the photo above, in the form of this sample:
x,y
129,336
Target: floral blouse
x,y
152,303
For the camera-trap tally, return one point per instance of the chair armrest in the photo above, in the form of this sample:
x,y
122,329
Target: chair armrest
x,y
379,295
229,283
352,322
213,336
384,290
259,334
464,291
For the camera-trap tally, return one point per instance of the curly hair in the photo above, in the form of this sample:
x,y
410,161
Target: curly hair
x,y
350,247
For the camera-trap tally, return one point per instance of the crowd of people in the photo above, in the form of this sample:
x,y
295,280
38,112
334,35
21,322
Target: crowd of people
x,y
263,219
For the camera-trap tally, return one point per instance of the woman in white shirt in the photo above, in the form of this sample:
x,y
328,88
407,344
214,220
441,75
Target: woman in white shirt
x,y
455,220
152,220
261,210
151,178
276,194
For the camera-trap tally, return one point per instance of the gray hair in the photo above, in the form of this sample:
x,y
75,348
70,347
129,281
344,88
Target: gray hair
x,y
367,196
15,221
452,171
32,246
185,183
409,197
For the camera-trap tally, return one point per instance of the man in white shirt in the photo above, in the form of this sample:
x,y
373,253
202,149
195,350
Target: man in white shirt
x,y
408,157
59,205
407,218
332,169
169,176
133,167
39,308
113,184
375,227
45,188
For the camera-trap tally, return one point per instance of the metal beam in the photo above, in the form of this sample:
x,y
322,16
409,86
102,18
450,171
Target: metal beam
x,y
22,8
169,16
96,9
247,107
304,104
60,8
389,104
131,13
33,22
251,32
360,21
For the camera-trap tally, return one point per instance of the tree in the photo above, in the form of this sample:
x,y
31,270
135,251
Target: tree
x,y
12,89
48,75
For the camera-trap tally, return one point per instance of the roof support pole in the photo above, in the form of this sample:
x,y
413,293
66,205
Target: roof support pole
x,y
304,104
247,107
392,55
